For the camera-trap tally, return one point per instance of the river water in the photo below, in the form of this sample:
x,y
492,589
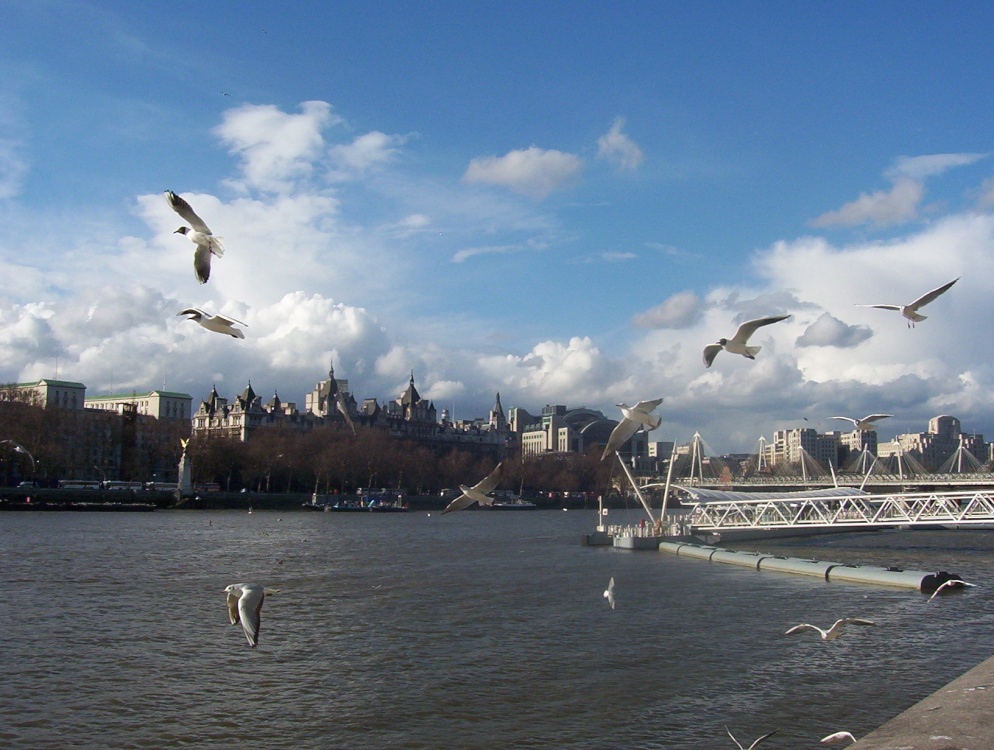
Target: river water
x,y
472,630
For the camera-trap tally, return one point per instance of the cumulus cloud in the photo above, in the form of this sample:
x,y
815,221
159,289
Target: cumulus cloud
x,y
678,311
901,202
365,152
275,147
828,330
533,171
618,148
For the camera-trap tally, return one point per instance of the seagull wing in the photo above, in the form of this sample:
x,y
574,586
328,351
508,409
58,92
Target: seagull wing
x,y
195,311
805,626
647,406
854,621
463,501
249,607
619,435
929,296
737,744
202,263
229,321
760,739
751,326
848,419
837,737
343,409
233,607
885,307
875,417
490,481
710,352
184,209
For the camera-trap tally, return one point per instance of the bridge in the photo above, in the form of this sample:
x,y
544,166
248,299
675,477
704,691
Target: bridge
x,y
755,514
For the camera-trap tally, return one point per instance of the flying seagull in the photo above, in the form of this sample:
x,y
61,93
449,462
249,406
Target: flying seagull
x,y
633,417
837,737
344,410
833,632
609,592
200,234
244,604
217,323
911,311
866,423
952,583
753,745
738,343
477,493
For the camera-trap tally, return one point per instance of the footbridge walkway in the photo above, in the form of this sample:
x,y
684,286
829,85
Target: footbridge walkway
x,y
710,512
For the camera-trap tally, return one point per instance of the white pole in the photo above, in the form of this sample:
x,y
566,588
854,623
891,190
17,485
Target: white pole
x,y
638,491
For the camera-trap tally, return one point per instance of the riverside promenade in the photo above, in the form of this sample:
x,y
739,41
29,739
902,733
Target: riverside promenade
x,y
959,716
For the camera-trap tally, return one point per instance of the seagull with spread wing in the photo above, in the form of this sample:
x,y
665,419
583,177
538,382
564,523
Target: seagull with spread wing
x,y
910,311
477,493
217,323
738,344
866,423
244,605
199,234
633,417
755,742
833,632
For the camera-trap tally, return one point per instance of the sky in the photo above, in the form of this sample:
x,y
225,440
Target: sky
x,y
560,202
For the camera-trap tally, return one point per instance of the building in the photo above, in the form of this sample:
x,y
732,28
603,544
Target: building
x,y
933,448
65,394
790,447
157,404
562,430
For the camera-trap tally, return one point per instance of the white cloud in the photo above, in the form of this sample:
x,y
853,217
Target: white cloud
x,y
365,152
276,148
533,171
678,311
920,167
828,330
618,148
882,208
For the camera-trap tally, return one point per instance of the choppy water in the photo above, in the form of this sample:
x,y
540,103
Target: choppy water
x,y
473,630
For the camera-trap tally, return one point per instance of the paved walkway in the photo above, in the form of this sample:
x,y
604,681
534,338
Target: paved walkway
x,y
959,716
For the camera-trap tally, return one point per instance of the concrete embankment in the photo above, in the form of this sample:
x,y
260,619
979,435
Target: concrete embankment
x,y
959,716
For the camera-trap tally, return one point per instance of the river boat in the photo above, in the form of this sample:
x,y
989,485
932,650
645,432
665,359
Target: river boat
x,y
515,503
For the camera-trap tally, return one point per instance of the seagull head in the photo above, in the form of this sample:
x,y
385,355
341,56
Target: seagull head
x,y
722,342
182,230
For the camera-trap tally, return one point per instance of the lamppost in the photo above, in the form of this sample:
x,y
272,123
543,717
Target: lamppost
x,y
18,448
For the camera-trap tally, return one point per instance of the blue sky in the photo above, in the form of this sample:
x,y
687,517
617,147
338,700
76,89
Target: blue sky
x,y
563,202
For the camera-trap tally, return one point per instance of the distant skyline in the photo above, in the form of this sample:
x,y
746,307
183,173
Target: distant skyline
x,y
563,202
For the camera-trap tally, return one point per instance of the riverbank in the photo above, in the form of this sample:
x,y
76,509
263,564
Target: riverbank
x,y
955,717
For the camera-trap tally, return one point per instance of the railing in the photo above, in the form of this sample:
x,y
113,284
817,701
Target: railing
x,y
963,508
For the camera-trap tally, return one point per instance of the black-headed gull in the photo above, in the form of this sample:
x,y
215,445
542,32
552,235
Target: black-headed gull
x,y
952,583
738,344
910,311
633,417
833,632
755,742
836,737
866,423
244,605
217,323
200,234
477,493
609,592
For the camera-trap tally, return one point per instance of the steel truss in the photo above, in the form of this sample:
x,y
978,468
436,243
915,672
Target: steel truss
x,y
964,508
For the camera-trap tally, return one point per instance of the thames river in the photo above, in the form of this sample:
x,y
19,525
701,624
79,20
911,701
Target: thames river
x,y
472,630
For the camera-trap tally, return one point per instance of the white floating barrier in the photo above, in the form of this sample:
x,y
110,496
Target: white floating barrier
x,y
826,570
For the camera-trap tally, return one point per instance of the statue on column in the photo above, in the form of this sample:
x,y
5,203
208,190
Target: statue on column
x,y
185,483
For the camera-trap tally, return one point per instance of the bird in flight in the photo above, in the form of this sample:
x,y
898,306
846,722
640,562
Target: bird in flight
x,y
754,744
477,493
910,311
837,737
833,632
738,344
217,323
866,423
199,234
952,583
633,417
609,592
244,605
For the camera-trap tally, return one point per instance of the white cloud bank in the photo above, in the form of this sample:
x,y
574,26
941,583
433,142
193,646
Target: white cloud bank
x,y
533,171
618,148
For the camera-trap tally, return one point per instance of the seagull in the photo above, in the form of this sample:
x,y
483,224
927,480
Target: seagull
x,y
633,417
837,737
911,311
244,604
737,344
866,423
756,742
609,592
477,493
952,583
217,323
340,403
833,632
200,234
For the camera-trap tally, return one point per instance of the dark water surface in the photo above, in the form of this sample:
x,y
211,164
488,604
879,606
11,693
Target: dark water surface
x,y
472,630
